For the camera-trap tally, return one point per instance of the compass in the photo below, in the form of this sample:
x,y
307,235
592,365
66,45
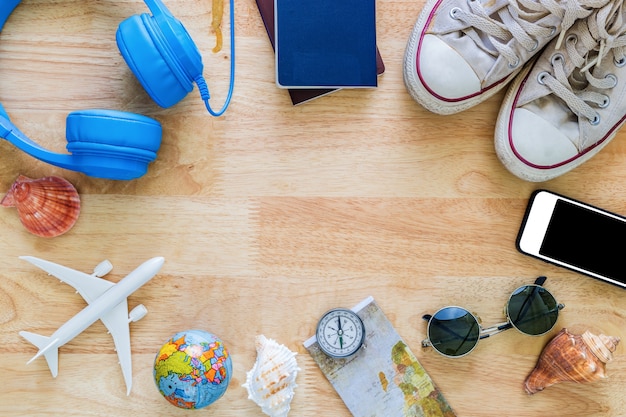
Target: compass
x,y
340,333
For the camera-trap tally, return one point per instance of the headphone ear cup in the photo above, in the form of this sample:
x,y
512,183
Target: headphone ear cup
x,y
115,128
156,60
112,144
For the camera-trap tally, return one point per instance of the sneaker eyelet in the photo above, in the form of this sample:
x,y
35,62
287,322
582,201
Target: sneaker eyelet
x,y
535,46
572,39
514,64
541,77
595,121
453,12
620,62
553,30
558,57
605,103
613,78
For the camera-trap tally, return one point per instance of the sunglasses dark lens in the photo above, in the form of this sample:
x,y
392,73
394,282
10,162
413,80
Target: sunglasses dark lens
x,y
453,331
532,310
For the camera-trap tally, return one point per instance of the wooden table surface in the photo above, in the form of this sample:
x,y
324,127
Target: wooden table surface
x,y
273,214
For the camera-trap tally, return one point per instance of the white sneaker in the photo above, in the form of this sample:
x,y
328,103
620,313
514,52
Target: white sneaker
x,y
461,52
570,103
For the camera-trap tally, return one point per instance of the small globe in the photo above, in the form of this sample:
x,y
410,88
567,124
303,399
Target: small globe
x,y
192,369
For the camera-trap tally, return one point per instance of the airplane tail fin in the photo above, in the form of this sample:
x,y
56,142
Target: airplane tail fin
x,y
47,347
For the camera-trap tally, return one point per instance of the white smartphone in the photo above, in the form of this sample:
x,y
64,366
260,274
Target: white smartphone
x,y
574,235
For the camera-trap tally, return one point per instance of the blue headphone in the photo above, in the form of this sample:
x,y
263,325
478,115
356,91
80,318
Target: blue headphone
x,y
116,144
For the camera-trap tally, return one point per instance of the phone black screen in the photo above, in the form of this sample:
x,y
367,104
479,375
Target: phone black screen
x,y
586,239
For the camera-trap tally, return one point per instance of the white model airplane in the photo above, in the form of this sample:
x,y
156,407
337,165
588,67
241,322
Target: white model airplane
x,y
106,301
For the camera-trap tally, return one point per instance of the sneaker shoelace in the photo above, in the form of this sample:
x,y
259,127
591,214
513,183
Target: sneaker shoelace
x,y
517,19
601,36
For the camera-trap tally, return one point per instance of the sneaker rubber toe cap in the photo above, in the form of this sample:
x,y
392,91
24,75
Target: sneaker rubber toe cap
x,y
444,72
538,142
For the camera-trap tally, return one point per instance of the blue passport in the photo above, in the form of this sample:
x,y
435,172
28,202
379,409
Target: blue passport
x,y
325,43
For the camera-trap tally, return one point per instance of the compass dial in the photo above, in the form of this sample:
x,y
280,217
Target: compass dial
x,y
340,333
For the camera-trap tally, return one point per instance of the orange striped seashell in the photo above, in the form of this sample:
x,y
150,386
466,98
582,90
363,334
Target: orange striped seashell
x,y
47,207
572,357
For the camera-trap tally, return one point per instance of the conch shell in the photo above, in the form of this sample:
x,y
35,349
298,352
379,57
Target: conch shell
x,y
570,357
272,380
47,207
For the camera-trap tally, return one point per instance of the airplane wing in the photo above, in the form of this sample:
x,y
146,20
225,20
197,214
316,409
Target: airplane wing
x,y
116,321
88,286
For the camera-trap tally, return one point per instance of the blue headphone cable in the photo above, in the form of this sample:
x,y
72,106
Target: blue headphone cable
x,y
200,81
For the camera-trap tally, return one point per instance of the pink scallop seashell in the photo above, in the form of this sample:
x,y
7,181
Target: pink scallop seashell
x,y
47,207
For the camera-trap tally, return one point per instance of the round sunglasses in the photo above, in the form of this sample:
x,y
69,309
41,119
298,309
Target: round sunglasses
x,y
454,331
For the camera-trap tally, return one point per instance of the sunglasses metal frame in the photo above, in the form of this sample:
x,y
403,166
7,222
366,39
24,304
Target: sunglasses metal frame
x,y
485,332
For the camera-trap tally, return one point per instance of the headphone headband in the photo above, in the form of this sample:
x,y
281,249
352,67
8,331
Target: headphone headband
x,y
6,8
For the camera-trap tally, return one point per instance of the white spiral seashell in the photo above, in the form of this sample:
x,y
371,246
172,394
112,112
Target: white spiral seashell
x,y
272,380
